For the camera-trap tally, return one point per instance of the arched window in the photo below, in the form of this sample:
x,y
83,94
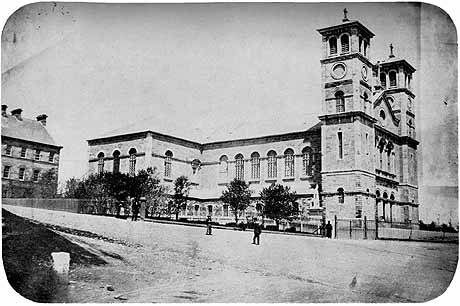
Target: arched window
x,y
225,207
382,115
383,80
272,173
341,195
289,163
132,161
381,157
392,76
340,144
100,162
223,167
168,163
307,161
344,41
377,193
392,197
116,161
197,210
332,46
339,102
239,167
255,165
360,44
365,100
365,45
393,162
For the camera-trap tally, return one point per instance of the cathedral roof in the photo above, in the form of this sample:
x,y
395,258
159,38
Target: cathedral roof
x,y
26,129
394,61
201,132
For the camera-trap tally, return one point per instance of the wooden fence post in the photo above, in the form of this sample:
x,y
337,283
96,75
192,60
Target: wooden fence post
x,y
365,227
335,226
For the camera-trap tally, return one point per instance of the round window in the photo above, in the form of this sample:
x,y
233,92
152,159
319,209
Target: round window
x,y
338,71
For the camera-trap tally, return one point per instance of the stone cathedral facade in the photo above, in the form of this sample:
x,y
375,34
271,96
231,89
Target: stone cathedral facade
x,y
359,158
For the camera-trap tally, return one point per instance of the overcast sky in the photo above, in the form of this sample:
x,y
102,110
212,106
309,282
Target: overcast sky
x,y
97,67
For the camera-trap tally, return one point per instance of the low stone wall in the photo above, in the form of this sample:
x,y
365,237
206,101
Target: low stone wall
x,y
68,205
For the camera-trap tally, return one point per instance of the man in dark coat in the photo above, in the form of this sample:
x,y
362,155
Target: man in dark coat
x,y
329,229
257,232
135,208
208,226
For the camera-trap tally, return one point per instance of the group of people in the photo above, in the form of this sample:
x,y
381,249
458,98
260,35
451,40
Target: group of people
x,y
257,230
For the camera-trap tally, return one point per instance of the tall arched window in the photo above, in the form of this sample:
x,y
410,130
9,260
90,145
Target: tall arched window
x,y
393,162
339,102
383,80
365,47
289,163
168,163
223,167
239,167
389,161
272,173
392,76
344,41
332,46
100,162
116,161
381,158
255,165
365,100
307,161
132,161
360,44
341,195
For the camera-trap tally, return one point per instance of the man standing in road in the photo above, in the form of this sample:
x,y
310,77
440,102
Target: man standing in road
x,y
329,229
135,209
257,232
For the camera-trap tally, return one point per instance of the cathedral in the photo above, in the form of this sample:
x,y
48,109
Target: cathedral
x,y
356,159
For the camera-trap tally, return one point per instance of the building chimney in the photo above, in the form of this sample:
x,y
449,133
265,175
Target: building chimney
x,y
4,108
17,113
42,119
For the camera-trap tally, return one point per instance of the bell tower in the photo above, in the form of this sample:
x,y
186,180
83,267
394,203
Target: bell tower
x,y
347,131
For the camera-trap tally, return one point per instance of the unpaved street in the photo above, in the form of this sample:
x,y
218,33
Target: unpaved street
x,y
172,263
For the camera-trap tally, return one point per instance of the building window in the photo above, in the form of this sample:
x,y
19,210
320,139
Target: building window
x,y
51,157
21,173
344,40
289,163
35,176
255,165
209,210
341,195
307,168
381,158
8,150
168,163
132,161
367,144
365,48
197,210
223,167
389,161
225,210
383,80
360,44
340,144
6,171
272,173
392,76
37,155
358,208
393,159
339,102
239,167
23,152
332,46
365,100
100,162
116,161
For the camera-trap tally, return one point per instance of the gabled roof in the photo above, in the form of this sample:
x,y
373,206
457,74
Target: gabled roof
x,y
26,129
202,133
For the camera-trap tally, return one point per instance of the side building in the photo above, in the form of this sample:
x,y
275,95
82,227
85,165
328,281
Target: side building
x,y
28,151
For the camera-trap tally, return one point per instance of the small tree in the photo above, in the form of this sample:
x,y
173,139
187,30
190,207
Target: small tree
x,y
181,190
48,184
279,202
237,196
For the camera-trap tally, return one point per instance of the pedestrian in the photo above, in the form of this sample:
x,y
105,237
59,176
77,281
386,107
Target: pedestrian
x,y
329,229
257,232
135,209
208,226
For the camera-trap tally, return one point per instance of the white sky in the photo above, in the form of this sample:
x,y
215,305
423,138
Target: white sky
x,y
96,67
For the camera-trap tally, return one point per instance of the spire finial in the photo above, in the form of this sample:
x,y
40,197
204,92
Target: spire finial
x,y
345,12
391,51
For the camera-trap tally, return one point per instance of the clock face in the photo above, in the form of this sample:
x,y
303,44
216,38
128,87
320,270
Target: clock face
x,y
338,71
364,73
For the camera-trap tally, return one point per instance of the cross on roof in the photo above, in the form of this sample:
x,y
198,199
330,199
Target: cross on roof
x,y
345,12
391,51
